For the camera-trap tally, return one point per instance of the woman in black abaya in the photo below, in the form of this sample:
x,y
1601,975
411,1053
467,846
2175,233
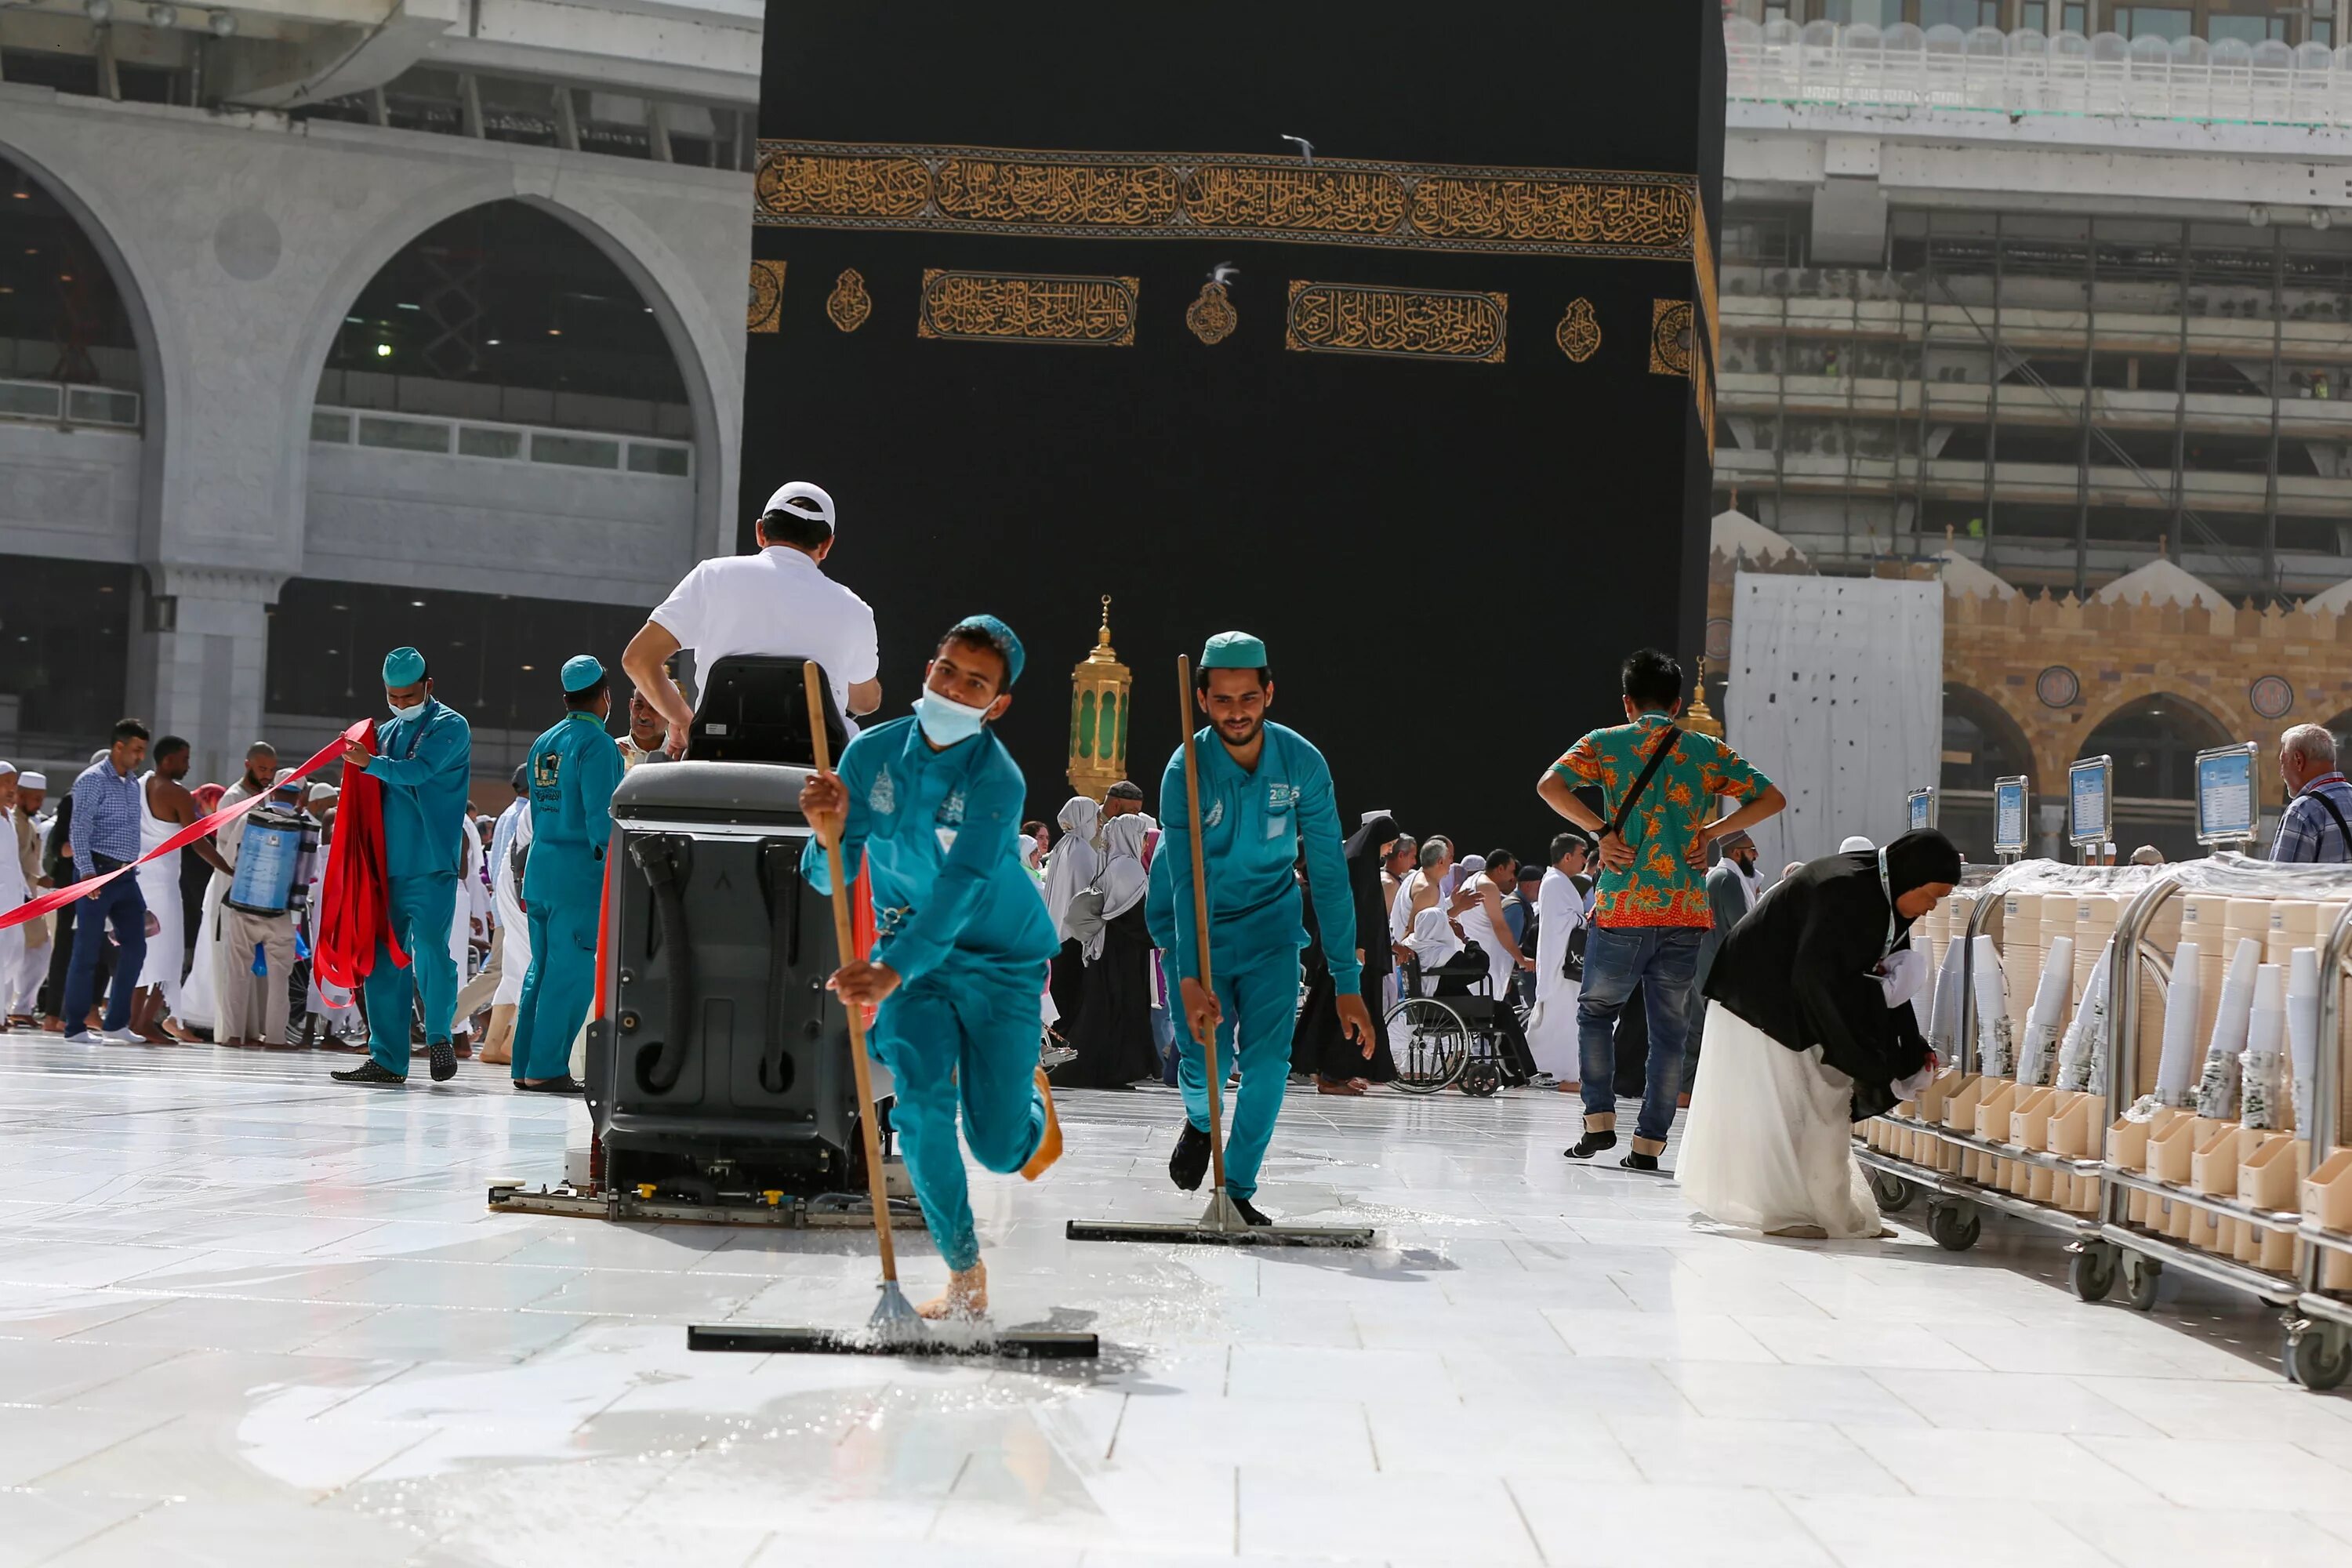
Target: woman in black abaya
x,y
1811,996
1113,1032
1317,1044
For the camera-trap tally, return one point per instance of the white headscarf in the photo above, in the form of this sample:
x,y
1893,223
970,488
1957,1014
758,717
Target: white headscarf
x,y
1073,863
1469,866
1122,879
1434,940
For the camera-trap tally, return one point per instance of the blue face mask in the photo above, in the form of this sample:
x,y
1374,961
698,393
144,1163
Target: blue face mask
x,y
945,720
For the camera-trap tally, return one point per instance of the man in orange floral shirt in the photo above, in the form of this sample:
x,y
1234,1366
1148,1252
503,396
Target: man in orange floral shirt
x,y
1650,912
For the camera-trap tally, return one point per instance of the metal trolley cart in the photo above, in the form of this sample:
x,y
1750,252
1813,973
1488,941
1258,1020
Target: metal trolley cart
x,y
2215,1196
1978,1139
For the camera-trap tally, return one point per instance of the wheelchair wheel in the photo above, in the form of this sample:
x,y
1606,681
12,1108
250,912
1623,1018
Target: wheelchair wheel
x,y
1430,1042
1481,1078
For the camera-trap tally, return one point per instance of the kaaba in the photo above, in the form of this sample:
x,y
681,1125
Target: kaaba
x,y
1384,331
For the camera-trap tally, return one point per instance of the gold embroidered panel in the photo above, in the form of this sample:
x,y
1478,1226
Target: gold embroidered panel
x,y
1181,196
1578,332
766,306
1400,324
1021,307
1670,337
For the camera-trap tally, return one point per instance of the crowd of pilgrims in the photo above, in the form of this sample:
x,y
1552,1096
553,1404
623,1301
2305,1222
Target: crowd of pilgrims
x,y
1487,925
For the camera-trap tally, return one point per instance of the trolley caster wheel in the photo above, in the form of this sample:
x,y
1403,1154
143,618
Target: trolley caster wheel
x,y
2141,1275
2091,1271
1892,1193
2316,1355
1955,1226
1481,1080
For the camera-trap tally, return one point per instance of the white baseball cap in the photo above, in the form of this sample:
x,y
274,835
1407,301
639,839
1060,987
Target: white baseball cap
x,y
805,499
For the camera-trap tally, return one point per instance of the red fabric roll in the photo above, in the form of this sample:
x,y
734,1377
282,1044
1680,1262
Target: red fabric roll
x,y
355,895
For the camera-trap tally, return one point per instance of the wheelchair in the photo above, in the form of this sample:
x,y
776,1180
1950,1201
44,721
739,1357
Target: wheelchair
x,y
1454,1038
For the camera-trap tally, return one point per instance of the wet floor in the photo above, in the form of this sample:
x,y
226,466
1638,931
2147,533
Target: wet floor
x,y
247,1316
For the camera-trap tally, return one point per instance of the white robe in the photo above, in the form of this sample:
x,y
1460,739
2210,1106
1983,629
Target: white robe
x,y
1769,1142
514,956
159,885
1552,1028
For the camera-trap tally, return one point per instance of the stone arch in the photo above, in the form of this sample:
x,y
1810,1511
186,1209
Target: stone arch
x,y
159,361
696,338
2062,745
1986,712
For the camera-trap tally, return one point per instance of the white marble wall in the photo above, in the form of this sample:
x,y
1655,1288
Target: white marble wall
x,y
239,243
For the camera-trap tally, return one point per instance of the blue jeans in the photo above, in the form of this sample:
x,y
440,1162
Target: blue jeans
x,y
1663,960
119,901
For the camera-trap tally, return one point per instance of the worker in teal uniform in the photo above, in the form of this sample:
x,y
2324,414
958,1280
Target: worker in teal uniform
x,y
424,758
931,806
1266,791
574,768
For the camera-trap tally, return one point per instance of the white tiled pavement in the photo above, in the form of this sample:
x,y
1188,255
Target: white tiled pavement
x,y
247,1317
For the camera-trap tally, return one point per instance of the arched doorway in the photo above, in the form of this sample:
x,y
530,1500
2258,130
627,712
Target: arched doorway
x,y
72,387
2155,742
500,368
1981,743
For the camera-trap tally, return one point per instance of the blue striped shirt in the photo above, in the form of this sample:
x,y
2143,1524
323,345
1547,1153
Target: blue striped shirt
x,y
106,809
2307,831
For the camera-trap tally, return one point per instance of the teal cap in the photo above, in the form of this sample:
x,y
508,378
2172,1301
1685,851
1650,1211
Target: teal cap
x,y
402,667
582,672
1234,650
998,636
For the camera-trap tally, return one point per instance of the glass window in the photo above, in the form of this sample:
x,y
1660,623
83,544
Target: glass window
x,y
328,425
2154,21
646,459
2245,29
475,441
2036,15
2071,16
1961,13
404,435
29,399
100,406
1877,13
574,451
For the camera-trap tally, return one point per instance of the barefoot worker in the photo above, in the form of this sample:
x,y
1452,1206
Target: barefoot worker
x,y
931,805
1264,793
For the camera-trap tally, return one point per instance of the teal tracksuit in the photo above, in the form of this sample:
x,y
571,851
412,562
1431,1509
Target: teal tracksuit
x,y
1252,825
424,764
959,918
574,770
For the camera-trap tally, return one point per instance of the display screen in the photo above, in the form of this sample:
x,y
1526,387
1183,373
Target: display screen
x,y
2009,815
2225,795
2087,785
1923,809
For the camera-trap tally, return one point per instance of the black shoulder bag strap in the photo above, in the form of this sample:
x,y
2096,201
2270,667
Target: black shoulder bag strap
x,y
2344,833
1666,739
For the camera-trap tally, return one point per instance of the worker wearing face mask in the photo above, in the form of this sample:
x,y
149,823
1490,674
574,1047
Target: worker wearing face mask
x,y
424,758
931,806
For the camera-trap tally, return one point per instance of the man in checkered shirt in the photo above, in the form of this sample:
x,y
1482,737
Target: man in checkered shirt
x,y
2317,823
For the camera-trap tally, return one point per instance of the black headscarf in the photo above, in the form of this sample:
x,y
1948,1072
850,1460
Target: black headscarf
x,y
1364,882
1799,966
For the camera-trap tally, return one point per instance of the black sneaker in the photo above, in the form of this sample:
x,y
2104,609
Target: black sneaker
x,y
1637,1161
371,1071
1591,1143
1189,1164
444,1060
566,1084
1247,1210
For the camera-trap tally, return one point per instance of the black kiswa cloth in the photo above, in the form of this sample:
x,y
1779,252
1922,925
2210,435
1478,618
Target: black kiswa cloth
x,y
1799,967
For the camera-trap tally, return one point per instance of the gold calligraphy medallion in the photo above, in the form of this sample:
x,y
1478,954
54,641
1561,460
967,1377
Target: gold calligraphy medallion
x,y
848,305
767,301
1670,337
1578,332
1212,317
1020,307
1398,323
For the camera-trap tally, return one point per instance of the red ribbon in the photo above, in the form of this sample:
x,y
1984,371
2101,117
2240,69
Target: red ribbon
x,y
58,897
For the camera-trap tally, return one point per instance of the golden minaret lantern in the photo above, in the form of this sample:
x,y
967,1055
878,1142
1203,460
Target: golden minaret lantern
x,y
1099,691
1697,718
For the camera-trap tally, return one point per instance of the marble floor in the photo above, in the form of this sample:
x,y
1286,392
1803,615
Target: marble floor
x,y
248,1317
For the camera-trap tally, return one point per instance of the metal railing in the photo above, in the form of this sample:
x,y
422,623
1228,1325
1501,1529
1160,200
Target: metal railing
x,y
63,403
1988,71
497,443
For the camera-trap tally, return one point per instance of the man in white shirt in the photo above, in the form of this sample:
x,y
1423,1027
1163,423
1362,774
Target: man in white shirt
x,y
777,603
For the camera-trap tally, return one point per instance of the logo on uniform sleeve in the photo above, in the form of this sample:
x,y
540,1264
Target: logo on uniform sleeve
x,y
1216,813
884,796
